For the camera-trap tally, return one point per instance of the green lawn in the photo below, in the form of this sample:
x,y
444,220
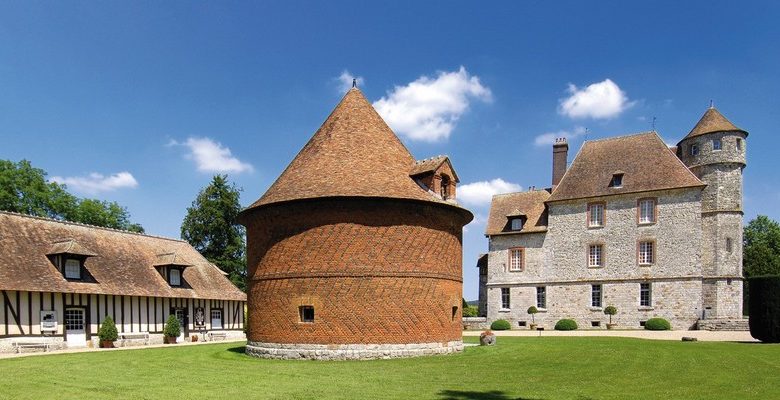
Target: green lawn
x,y
516,368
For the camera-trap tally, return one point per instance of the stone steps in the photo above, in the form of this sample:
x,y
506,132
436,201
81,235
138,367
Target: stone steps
x,y
723,324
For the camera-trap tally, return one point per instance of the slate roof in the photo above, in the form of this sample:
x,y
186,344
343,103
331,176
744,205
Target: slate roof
x,y
353,154
531,204
121,263
712,121
646,162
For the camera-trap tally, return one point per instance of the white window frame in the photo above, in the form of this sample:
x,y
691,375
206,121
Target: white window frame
x,y
218,313
694,150
516,224
596,255
171,276
70,272
516,259
647,211
600,216
596,295
617,181
645,295
646,252
506,299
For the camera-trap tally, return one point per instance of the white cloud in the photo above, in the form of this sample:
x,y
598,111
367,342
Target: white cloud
x,y
548,139
602,100
480,193
479,220
96,183
345,81
211,156
429,108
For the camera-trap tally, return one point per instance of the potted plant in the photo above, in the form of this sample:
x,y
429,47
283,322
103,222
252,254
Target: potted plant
x,y
194,338
610,310
533,310
108,333
172,330
487,338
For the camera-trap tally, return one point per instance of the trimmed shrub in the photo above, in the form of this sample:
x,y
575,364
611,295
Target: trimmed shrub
x,y
172,327
657,324
532,310
610,310
107,330
764,308
566,325
500,325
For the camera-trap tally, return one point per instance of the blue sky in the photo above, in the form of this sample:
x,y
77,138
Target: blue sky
x,y
142,102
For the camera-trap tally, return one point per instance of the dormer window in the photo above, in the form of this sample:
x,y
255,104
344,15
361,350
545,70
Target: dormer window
x,y
72,269
617,181
445,185
516,224
174,277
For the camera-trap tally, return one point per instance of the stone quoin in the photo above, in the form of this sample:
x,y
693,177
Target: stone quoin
x,y
355,251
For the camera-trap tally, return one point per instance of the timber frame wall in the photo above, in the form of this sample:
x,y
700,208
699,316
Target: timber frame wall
x,y
20,312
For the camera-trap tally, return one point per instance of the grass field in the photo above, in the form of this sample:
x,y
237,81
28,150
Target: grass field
x,y
516,368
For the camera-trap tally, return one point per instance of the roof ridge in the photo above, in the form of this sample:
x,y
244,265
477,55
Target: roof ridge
x,y
66,222
622,136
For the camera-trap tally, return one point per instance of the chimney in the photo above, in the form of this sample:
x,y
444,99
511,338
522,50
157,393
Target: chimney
x,y
560,157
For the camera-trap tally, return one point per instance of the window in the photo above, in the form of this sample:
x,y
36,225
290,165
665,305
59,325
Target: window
x,y
307,313
595,324
729,246
645,295
174,277
517,224
595,295
617,181
541,297
694,150
445,183
454,312
596,214
505,304
596,255
716,144
216,319
739,144
646,252
647,211
72,269
516,260
74,319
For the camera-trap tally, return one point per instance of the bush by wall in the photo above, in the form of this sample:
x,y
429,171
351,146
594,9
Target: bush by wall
x,y
172,327
470,311
107,330
566,325
657,324
764,308
500,325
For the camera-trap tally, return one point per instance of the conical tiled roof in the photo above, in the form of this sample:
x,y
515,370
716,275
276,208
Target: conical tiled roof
x,y
712,121
353,154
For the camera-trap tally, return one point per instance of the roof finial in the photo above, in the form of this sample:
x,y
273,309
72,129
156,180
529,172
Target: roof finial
x,y
354,82
711,104
653,123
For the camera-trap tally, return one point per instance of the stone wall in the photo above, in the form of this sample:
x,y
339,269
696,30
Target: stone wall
x,y
350,351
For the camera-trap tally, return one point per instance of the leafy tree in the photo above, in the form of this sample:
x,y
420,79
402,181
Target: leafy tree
x,y
24,189
762,247
210,228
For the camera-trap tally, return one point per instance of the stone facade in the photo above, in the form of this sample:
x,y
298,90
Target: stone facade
x,y
350,351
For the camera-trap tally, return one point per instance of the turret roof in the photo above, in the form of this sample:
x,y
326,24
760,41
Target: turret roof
x,y
712,121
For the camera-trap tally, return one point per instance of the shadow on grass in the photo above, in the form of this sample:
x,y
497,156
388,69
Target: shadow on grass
x,y
469,395
238,349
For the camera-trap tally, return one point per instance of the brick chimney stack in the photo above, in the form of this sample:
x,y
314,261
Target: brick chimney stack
x,y
560,158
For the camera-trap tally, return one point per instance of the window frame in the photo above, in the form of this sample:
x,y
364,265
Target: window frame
x,y
211,319
729,245
506,299
510,262
719,147
639,202
603,213
541,294
739,143
170,277
693,150
303,318
649,291
653,252
619,178
588,255
512,222
593,297
78,270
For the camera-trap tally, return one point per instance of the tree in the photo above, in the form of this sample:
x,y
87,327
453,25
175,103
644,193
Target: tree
x,y
25,190
210,228
762,247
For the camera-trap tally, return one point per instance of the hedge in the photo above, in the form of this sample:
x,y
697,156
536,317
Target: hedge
x,y
500,325
764,308
658,324
565,325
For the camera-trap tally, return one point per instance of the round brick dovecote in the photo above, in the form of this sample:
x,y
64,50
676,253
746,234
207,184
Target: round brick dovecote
x,y
347,273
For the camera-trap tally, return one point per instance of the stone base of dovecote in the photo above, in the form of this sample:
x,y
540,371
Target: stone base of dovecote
x,y
349,351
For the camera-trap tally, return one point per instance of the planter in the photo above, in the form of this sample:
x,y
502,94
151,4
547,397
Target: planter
x,y
532,327
107,344
194,338
487,338
611,326
169,339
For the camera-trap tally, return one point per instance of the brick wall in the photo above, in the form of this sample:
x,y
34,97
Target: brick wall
x,y
375,270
